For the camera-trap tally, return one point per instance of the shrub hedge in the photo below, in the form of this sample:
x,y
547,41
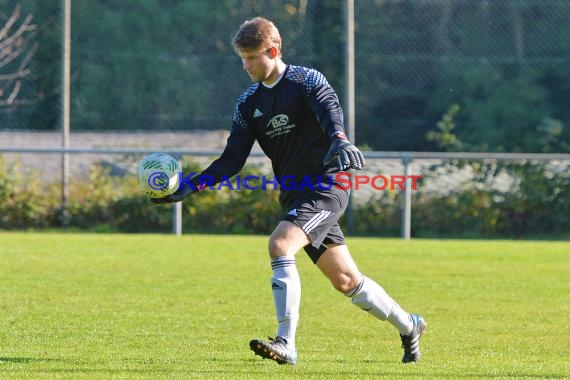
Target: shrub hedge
x,y
539,205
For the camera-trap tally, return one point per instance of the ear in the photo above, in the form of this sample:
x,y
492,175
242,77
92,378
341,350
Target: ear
x,y
272,52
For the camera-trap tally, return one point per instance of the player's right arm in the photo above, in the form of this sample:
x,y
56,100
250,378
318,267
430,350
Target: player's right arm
x,y
231,161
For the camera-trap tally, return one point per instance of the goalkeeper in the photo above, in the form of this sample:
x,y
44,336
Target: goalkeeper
x,y
295,115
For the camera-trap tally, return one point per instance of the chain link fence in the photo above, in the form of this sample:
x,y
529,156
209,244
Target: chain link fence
x,y
170,66
496,59
162,75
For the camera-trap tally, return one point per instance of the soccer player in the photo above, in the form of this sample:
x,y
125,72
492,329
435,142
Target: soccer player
x,y
295,115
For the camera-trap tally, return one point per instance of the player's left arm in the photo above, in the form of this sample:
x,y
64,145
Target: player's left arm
x,y
326,107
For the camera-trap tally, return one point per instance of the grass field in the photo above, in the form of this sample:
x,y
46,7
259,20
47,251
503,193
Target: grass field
x,y
157,306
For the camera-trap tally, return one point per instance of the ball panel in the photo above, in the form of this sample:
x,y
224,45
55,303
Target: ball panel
x,y
158,175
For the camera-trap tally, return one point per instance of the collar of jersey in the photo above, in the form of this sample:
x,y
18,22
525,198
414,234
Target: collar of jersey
x,y
278,79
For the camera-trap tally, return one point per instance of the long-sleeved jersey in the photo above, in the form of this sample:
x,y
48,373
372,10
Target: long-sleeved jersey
x,y
293,121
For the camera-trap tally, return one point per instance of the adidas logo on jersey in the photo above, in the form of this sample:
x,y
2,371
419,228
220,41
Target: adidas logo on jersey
x,y
293,212
257,113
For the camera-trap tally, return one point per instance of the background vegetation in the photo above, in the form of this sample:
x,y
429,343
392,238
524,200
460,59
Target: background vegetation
x,y
465,75
536,206
155,65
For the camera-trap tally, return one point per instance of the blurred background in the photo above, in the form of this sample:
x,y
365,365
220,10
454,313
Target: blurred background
x,y
485,76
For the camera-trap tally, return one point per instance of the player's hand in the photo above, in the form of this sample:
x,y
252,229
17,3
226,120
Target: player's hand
x,y
179,195
347,155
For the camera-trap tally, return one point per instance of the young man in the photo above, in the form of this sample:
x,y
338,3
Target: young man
x,y
296,117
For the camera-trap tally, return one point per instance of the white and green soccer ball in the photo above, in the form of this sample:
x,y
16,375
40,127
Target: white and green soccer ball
x,y
158,175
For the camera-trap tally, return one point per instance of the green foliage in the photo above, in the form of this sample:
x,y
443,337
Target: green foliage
x,y
499,61
157,65
536,203
380,215
467,213
523,212
24,202
444,136
228,210
104,202
501,109
165,65
551,136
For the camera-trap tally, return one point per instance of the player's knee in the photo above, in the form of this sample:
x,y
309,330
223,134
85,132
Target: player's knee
x,y
278,247
344,282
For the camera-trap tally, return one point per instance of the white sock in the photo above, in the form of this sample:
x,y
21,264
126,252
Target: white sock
x,y
371,297
401,319
286,286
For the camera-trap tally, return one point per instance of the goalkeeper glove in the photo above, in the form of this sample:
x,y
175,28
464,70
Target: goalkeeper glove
x,y
347,155
183,191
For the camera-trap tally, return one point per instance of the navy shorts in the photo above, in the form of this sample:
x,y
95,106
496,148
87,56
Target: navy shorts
x,y
317,213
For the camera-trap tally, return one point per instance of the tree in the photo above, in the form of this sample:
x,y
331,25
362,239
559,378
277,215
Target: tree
x,y
168,65
17,47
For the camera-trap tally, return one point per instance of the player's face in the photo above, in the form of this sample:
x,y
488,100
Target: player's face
x,y
258,64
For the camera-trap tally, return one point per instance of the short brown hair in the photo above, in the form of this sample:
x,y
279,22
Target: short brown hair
x,y
255,33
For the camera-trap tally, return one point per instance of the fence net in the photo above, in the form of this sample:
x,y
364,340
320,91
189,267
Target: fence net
x,y
163,75
156,65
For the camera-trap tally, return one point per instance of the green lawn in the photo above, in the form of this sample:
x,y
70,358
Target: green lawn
x,y
157,306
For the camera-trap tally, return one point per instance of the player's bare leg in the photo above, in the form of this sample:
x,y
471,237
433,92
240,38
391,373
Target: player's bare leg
x,y
284,243
286,240
337,264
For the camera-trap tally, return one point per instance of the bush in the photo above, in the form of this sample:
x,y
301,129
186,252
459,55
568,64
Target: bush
x,y
24,202
537,204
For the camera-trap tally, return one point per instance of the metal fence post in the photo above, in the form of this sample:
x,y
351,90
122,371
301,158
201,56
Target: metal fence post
x,y
350,97
177,218
65,109
407,202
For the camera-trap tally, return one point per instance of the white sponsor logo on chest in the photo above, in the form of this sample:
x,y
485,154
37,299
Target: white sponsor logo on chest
x,y
278,125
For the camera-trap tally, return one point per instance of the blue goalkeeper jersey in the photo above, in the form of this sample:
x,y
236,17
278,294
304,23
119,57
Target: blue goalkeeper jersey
x,y
294,122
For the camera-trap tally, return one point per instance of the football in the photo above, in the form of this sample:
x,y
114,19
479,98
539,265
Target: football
x,y
158,175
